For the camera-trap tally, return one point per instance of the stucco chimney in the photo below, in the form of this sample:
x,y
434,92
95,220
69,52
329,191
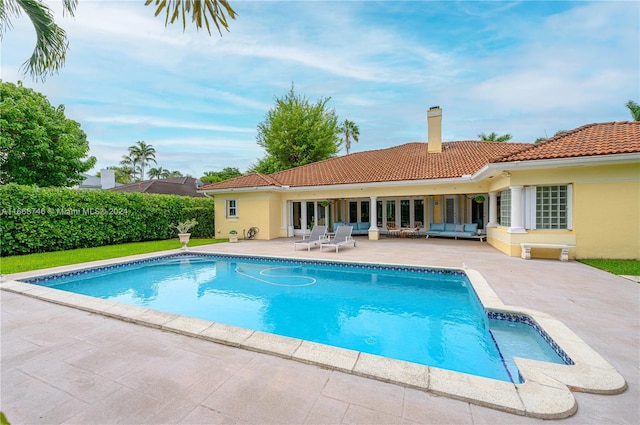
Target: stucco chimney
x,y
107,178
434,126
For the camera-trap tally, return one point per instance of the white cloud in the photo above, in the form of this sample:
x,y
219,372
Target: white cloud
x,y
165,123
509,67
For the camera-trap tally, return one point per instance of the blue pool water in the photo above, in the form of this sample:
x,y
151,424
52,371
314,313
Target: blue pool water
x,y
430,317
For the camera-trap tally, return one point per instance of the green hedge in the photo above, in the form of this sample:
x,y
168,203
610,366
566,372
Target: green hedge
x,y
54,219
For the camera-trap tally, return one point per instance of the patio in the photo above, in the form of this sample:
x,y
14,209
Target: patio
x,y
62,365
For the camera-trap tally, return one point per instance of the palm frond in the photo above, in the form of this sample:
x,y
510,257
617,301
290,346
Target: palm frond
x,y
51,40
201,11
69,6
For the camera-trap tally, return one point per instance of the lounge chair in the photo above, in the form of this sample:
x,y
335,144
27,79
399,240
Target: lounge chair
x,y
342,237
392,229
317,236
414,231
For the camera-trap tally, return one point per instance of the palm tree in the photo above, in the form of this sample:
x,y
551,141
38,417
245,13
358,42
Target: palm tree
x,y
634,108
177,10
142,155
175,173
493,137
128,166
51,40
542,139
156,173
350,130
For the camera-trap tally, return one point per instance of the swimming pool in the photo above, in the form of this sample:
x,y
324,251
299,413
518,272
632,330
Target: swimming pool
x,y
426,316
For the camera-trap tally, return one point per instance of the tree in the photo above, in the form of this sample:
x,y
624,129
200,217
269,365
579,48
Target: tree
x,y
51,40
219,176
156,173
296,132
122,175
141,154
542,139
493,137
128,167
203,10
634,108
38,144
174,173
266,165
350,131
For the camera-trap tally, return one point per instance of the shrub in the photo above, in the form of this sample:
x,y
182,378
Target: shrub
x,y
36,219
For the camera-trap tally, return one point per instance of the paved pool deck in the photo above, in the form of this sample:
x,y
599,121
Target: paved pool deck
x,y
63,365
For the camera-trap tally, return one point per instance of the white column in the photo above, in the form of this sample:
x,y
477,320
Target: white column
x,y
493,209
287,221
373,213
284,214
374,232
517,210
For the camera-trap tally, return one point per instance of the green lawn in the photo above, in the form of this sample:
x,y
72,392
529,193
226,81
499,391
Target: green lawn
x,y
23,263
627,267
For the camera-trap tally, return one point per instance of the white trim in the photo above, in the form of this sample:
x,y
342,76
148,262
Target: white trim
x,y
494,167
569,206
517,210
443,210
530,207
227,207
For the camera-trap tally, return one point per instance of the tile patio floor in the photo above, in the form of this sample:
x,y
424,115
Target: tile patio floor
x,y
62,365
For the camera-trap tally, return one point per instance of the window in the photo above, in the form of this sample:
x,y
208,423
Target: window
x,y
364,211
552,207
418,210
505,208
232,208
353,212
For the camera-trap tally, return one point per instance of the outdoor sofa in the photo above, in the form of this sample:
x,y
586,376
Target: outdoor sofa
x,y
360,228
452,230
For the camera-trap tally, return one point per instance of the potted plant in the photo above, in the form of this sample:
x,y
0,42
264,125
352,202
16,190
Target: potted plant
x,y
233,236
183,231
479,199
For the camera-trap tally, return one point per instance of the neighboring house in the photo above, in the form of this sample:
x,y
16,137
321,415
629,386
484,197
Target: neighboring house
x,y
107,180
579,188
183,186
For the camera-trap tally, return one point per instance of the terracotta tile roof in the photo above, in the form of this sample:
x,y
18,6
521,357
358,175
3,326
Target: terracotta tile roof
x,y
589,140
412,161
246,181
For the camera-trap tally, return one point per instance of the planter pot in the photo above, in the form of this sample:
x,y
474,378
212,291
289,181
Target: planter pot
x,y
233,238
184,240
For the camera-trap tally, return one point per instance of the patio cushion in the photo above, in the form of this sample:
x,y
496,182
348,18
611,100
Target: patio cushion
x,y
473,228
364,226
438,227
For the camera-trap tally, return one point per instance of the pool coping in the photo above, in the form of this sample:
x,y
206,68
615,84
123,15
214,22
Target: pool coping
x,y
545,392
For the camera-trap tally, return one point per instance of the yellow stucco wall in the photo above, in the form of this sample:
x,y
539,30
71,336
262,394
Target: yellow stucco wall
x,y
254,210
605,209
605,212
608,225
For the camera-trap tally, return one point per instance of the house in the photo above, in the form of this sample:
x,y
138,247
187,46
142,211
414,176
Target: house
x,y
107,180
580,188
183,186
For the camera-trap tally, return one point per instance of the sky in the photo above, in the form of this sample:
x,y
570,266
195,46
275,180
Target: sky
x,y
526,68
